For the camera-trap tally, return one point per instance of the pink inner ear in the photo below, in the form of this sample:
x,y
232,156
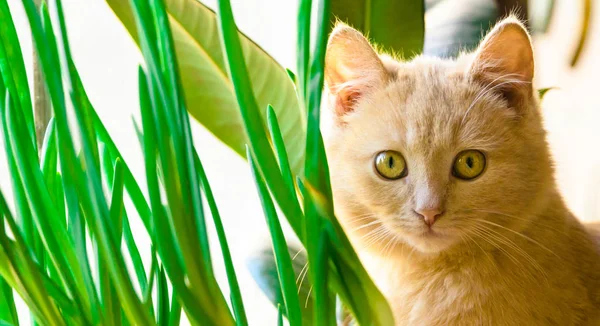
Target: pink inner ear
x,y
346,100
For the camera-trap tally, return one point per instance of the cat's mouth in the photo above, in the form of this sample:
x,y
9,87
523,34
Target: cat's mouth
x,y
430,239
431,233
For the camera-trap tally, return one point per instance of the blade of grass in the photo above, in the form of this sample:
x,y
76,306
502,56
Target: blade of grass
x,y
6,78
53,235
285,271
179,176
151,277
235,293
175,313
94,203
174,89
12,66
109,296
282,156
162,299
69,166
255,127
131,185
279,316
303,48
318,255
316,237
168,248
31,284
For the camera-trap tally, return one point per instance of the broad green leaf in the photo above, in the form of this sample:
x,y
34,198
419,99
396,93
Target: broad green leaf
x,y
395,25
209,92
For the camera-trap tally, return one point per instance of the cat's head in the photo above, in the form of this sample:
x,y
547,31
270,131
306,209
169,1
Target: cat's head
x,y
434,153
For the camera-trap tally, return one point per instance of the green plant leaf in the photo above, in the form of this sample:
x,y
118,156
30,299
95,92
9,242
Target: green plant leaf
x,y
8,310
396,26
285,271
584,30
234,287
209,91
12,67
542,91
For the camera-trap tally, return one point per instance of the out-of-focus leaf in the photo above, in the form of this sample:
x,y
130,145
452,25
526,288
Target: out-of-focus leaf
x,y
586,16
540,14
456,25
395,25
542,91
263,269
209,91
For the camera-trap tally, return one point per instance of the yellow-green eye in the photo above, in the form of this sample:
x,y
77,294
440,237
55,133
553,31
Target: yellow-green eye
x,y
469,164
390,165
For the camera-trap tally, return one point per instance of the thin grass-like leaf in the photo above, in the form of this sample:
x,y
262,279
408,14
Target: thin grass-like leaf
x,y
282,156
175,313
23,272
177,166
253,123
285,271
303,47
93,203
12,67
583,32
316,241
235,293
8,310
164,239
162,299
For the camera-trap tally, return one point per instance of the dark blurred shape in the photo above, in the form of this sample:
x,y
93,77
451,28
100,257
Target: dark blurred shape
x,y
263,269
453,26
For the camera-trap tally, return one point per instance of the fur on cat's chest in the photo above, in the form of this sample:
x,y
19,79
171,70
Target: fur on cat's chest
x,y
435,299
470,296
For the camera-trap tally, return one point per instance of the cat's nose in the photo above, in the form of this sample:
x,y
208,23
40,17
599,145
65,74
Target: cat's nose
x,y
429,215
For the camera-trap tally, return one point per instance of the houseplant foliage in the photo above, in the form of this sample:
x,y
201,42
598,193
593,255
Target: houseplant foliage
x,y
71,191
76,191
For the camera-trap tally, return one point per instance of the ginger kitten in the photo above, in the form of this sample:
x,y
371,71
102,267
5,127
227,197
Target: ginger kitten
x,y
443,179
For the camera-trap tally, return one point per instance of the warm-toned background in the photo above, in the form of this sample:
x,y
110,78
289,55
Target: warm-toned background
x,y
107,60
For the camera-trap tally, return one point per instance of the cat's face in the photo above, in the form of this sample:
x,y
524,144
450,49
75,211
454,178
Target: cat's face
x,y
434,153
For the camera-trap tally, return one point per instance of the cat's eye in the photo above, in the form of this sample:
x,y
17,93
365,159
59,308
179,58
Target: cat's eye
x,y
469,164
391,165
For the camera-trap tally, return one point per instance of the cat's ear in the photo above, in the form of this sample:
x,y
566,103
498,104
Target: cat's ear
x,y
352,68
504,60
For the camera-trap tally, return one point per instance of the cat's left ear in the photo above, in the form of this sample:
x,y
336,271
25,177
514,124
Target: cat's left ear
x,y
504,60
352,68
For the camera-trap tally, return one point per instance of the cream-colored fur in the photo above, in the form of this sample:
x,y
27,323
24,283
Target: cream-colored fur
x,y
506,250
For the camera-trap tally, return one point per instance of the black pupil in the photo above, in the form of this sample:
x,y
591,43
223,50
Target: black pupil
x,y
470,162
391,162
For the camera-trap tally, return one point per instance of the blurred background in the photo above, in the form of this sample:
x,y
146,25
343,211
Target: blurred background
x,y
107,60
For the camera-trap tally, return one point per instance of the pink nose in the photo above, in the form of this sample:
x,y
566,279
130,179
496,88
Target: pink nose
x,y
429,215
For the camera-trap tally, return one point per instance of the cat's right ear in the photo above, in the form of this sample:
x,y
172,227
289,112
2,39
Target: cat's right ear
x,y
352,68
